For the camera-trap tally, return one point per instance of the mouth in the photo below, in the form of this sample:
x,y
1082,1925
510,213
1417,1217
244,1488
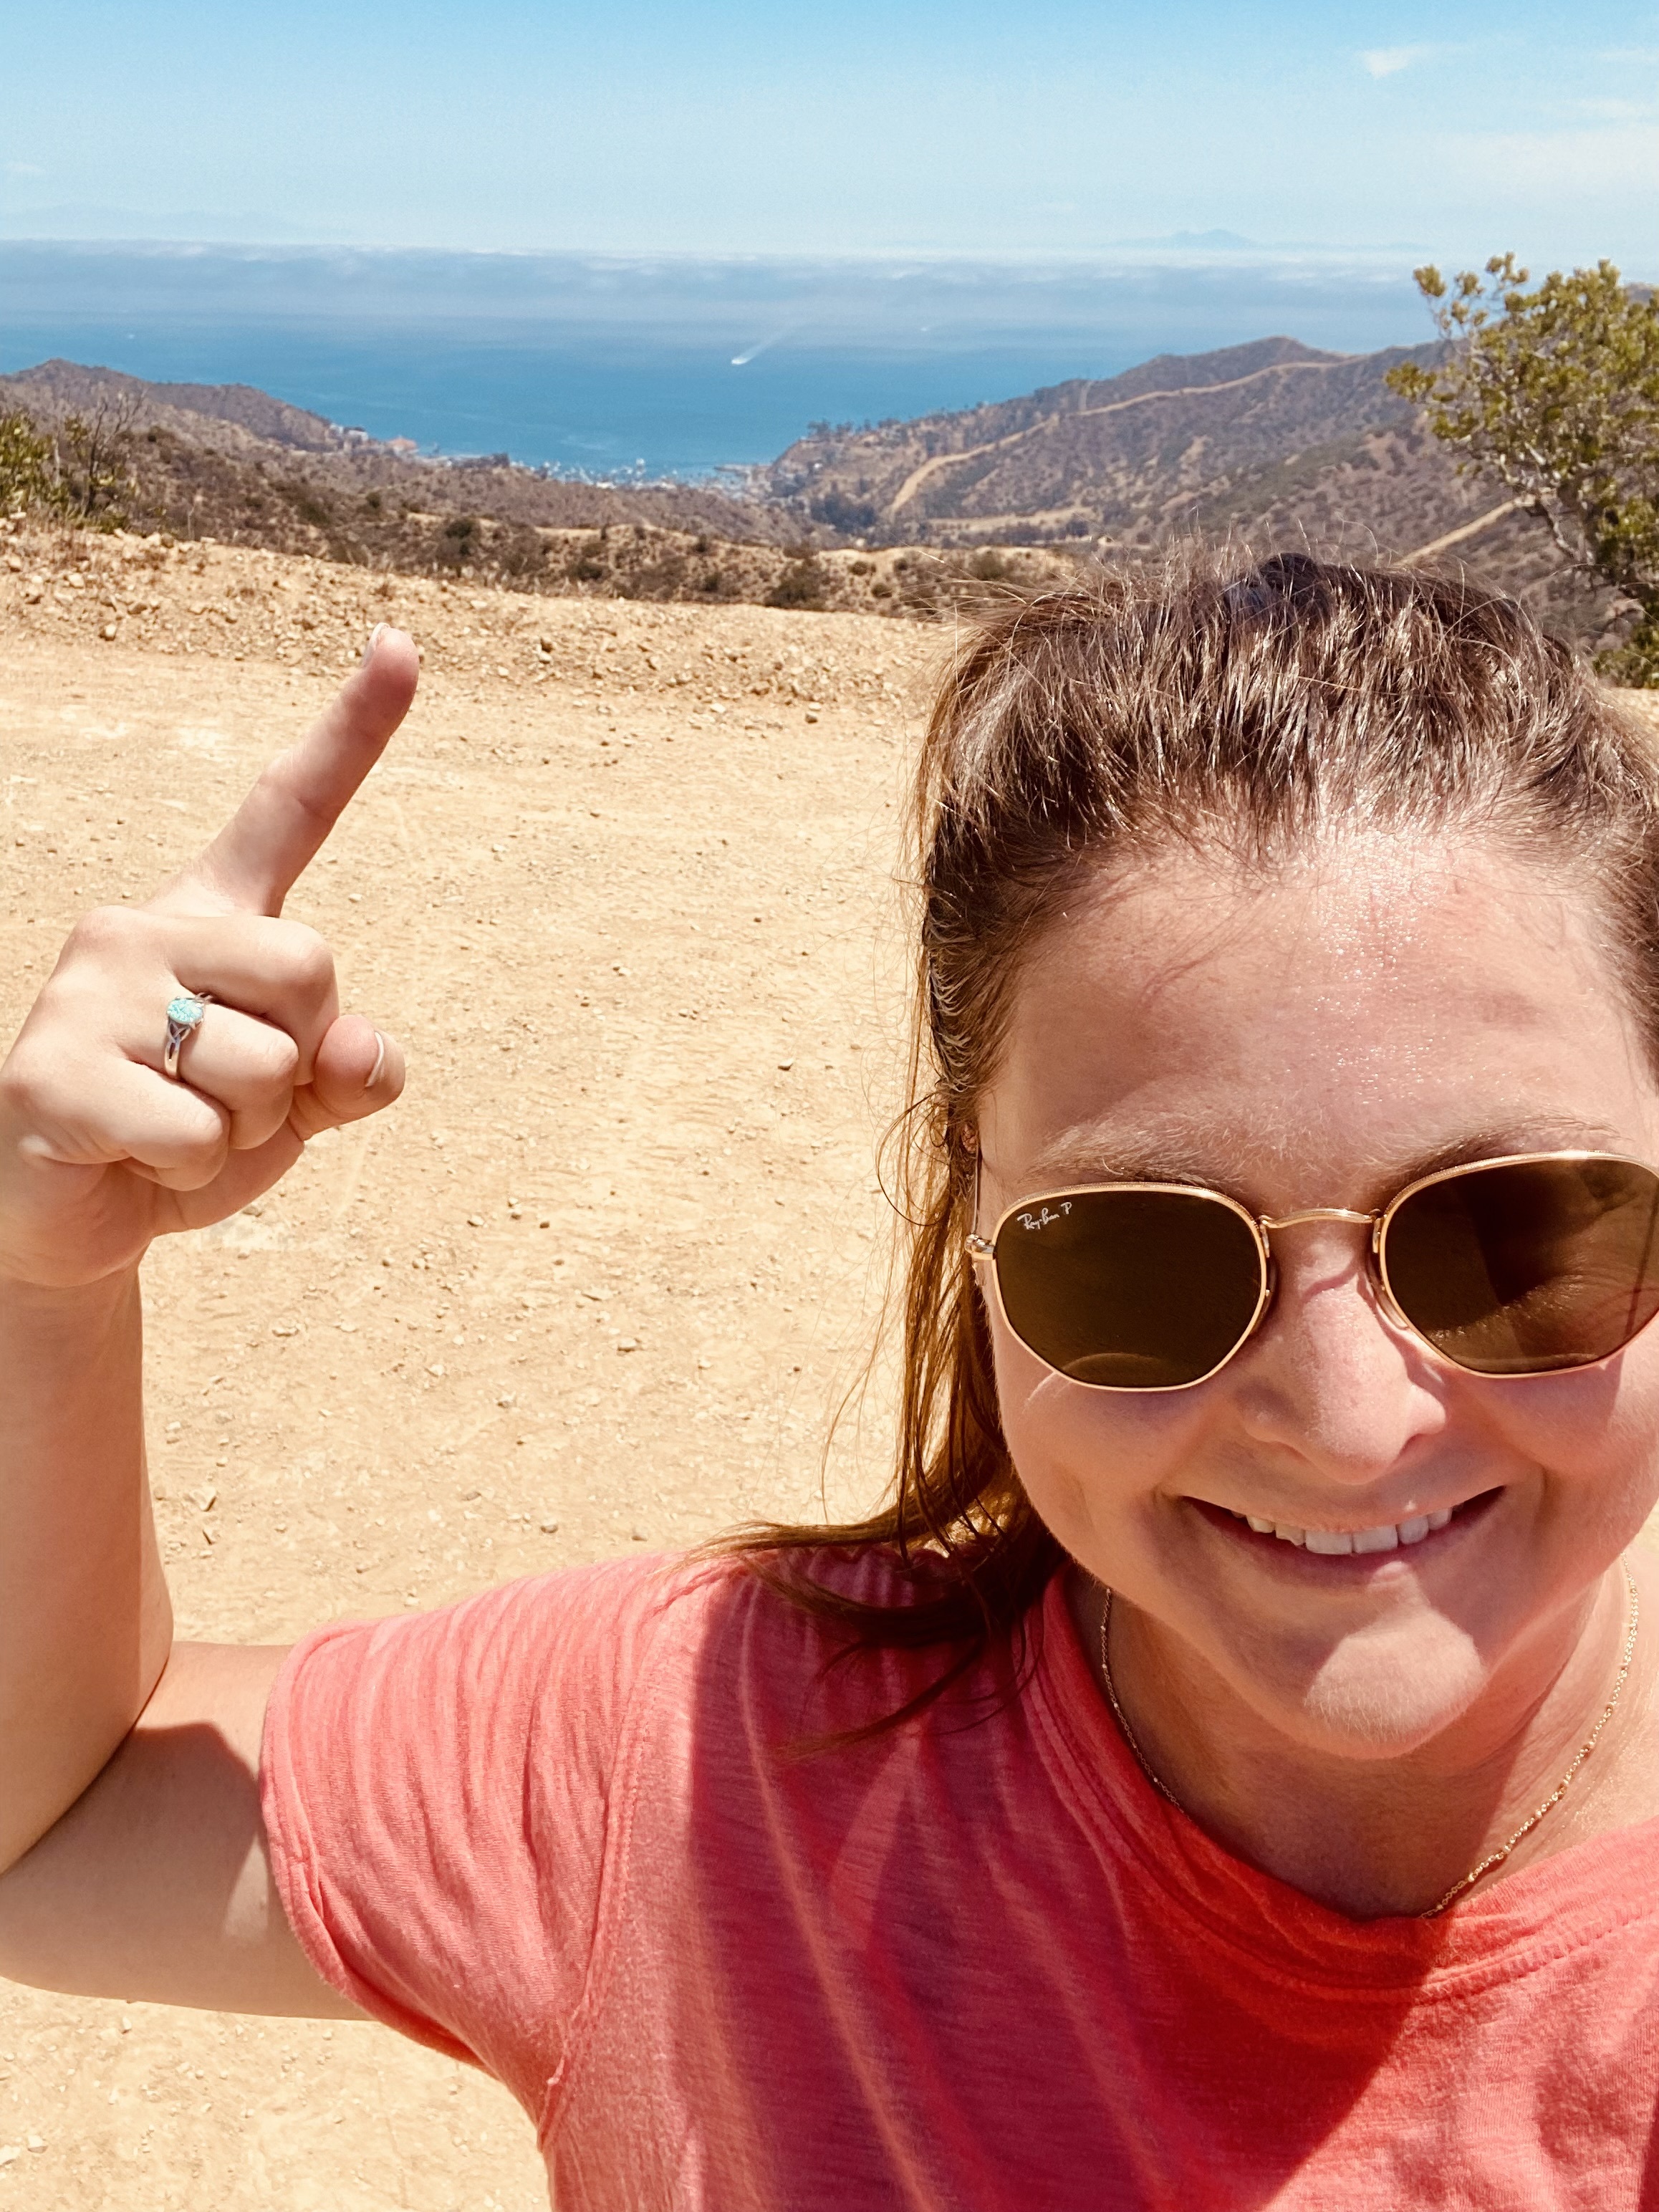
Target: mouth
x,y
1374,1543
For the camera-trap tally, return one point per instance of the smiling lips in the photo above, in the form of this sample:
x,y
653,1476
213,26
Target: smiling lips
x,y
1335,1542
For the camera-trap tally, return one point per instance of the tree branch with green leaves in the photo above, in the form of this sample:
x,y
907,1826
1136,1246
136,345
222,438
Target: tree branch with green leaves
x,y
1554,392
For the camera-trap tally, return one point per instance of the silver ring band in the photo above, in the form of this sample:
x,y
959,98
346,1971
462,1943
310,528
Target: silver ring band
x,y
185,1015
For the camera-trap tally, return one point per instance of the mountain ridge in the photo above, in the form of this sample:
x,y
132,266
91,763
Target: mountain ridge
x,y
1108,452
1268,442
65,387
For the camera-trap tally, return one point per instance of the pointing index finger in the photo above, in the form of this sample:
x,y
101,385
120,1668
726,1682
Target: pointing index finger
x,y
283,824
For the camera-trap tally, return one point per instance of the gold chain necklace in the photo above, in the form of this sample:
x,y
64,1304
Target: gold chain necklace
x,y
1492,1859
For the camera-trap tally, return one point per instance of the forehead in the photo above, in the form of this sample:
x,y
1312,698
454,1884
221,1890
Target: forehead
x,y
1386,1000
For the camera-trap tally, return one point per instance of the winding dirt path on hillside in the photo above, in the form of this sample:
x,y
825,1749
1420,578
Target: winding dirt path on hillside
x,y
920,475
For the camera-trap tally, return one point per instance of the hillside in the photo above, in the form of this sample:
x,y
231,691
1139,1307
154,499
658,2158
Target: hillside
x,y
59,387
1274,441
1125,456
234,464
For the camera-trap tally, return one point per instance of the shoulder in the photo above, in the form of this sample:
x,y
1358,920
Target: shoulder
x,y
798,1607
781,1645
809,1644
770,1589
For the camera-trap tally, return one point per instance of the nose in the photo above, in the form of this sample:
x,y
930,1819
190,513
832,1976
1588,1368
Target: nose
x,y
1333,1379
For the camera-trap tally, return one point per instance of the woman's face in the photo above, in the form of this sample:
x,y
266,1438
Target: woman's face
x,y
1318,1040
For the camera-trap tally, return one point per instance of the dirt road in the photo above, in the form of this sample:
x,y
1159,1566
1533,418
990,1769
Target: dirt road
x,y
595,1282
625,888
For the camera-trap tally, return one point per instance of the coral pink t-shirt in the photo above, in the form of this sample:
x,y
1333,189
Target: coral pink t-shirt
x,y
977,1965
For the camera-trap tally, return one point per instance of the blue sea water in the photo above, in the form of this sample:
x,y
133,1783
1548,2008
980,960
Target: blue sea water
x,y
670,367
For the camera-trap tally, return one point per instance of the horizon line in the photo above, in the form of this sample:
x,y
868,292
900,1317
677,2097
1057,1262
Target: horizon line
x,y
1187,246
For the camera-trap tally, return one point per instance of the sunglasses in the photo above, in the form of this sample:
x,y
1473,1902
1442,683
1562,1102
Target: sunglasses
x,y
1521,1265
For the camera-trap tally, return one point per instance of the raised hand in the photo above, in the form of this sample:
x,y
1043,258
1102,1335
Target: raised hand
x,y
99,1149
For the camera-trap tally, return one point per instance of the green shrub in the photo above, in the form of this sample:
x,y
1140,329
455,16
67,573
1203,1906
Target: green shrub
x,y
25,472
802,585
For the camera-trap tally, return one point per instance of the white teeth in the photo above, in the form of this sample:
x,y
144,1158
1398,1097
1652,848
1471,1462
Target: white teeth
x,y
1376,1540
1334,1543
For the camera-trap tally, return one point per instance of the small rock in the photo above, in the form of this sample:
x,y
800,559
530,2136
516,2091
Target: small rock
x,y
549,1527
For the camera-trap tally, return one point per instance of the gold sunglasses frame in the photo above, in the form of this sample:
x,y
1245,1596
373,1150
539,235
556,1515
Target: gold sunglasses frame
x,y
1261,1225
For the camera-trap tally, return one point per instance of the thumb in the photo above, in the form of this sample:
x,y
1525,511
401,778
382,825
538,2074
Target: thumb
x,y
358,1070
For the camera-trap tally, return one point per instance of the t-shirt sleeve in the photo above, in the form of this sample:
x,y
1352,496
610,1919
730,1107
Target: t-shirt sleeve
x,y
437,1792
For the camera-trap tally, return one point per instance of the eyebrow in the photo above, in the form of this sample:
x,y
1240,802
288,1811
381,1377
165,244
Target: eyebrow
x,y
1174,1151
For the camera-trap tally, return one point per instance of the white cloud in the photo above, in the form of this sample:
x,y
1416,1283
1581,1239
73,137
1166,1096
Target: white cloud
x,y
24,169
1388,61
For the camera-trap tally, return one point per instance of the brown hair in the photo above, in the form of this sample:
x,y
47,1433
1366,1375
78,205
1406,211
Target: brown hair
x,y
1243,707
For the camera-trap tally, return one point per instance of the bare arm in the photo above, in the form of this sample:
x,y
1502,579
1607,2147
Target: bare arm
x,y
131,1855
85,1624
156,1884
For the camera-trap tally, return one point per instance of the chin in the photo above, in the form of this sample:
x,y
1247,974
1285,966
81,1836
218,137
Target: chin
x,y
1376,1695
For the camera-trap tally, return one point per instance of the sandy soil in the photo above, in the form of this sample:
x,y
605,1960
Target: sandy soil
x,y
625,889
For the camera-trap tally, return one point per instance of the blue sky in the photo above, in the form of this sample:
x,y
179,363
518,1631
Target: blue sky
x,y
652,125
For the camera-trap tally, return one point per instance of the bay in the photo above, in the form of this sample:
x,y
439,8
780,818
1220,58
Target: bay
x,y
661,367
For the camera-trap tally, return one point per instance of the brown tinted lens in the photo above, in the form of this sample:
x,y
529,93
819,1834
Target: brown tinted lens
x,y
1140,1289
1523,1268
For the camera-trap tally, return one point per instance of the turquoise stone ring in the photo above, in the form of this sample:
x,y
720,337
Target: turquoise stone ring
x,y
186,1014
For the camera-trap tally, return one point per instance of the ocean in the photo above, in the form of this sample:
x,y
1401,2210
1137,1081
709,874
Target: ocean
x,y
613,368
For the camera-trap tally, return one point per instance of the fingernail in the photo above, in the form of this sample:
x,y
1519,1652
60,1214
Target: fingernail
x,y
380,1057
374,637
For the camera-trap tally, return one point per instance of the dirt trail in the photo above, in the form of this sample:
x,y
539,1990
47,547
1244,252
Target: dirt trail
x,y
625,888
596,1281
937,462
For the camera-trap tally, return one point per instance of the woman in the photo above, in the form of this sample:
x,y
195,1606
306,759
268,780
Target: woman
x,y
1226,1773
